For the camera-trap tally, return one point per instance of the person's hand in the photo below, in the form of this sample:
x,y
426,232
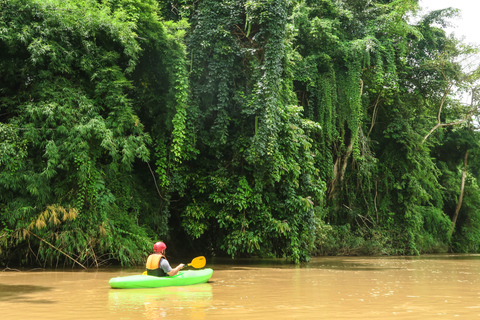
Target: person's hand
x,y
181,265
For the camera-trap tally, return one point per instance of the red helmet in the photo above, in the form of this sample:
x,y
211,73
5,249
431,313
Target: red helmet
x,y
159,247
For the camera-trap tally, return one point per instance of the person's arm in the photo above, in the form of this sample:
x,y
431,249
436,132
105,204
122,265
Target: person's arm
x,y
176,269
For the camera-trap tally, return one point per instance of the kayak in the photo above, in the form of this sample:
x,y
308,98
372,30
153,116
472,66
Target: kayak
x,y
183,278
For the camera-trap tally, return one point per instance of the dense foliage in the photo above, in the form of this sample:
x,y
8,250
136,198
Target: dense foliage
x,y
271,128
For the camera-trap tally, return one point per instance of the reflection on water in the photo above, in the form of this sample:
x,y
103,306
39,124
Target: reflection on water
x,y
19,293
161,303
426,287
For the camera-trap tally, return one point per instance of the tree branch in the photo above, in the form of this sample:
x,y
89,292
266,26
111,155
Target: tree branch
x,y
51,245
155,181
439,120
374,114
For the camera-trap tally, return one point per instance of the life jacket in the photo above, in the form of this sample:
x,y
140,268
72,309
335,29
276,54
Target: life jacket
x,y
153,263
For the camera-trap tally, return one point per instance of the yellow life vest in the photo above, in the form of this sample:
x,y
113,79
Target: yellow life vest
x,y
153,262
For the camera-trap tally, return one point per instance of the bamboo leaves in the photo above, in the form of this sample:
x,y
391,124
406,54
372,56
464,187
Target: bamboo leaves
x,y
71,122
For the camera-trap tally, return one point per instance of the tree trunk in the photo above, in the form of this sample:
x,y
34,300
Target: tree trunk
x,y
460,198
339,174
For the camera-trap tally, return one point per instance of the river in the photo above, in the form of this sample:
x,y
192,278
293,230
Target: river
x,y
426,287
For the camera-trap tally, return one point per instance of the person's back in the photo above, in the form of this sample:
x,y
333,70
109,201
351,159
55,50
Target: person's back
x,y
157,265
154,265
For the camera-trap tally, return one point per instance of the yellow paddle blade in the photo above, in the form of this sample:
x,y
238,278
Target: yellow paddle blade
x,y
198,262
144,273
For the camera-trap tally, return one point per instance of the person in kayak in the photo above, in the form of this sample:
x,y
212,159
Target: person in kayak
x,y
157,264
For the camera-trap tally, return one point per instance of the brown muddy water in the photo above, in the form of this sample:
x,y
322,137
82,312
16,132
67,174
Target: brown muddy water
x,y
426,287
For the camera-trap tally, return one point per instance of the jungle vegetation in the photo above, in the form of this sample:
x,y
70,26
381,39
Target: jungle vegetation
x,y
270,128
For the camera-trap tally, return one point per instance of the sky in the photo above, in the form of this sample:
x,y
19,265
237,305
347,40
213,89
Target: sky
x,y
468,25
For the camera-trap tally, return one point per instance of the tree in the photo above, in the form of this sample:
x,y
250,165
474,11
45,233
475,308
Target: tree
x,y
70,135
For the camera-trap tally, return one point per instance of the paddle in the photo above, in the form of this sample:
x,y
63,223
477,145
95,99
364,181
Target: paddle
x,y
198,262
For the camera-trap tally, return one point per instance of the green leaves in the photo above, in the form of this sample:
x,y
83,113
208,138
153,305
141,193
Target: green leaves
x,y
270,127
67,118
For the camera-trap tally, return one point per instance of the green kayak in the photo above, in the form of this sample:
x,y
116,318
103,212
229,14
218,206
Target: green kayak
x,y
183,278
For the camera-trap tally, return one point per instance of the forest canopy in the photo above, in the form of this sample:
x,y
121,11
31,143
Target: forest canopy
x,y
268,128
